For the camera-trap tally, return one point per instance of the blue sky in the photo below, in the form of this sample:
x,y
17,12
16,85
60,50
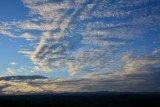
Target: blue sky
x,y
100,39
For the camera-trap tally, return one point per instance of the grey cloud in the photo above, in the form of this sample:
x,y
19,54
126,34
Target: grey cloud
x,y
78,85
21,77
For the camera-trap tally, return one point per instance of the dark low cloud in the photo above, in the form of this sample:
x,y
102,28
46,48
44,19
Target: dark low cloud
x,y
21,77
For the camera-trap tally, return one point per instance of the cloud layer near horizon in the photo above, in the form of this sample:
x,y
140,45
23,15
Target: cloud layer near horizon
x,y
138,75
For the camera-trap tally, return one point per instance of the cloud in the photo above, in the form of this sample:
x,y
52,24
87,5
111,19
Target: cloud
x,y
13,63
21,78
23,87
138,74
10,72
77,85
4,30
28,36
142,71
18,70
34,1
29,25
146,64
25,52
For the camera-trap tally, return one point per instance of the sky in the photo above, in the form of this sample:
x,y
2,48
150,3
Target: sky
x,y
80,45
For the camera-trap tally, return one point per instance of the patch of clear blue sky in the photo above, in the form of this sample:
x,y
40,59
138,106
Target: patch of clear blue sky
x,y
12,10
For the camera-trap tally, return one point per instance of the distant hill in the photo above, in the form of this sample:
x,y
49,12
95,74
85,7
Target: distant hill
x,y
22,77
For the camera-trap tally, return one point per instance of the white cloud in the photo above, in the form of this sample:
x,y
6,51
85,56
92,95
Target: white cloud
x,y
34,1
10,72
28,36
4,31
25,52
35,26
13,63
96,33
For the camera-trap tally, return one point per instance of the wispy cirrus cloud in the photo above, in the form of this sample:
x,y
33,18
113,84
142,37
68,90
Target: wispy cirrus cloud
x,y
28,36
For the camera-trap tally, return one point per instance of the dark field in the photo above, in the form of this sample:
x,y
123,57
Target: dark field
x,y
83,100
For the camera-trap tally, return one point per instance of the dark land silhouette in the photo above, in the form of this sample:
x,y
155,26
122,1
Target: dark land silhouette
x,y
86,99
